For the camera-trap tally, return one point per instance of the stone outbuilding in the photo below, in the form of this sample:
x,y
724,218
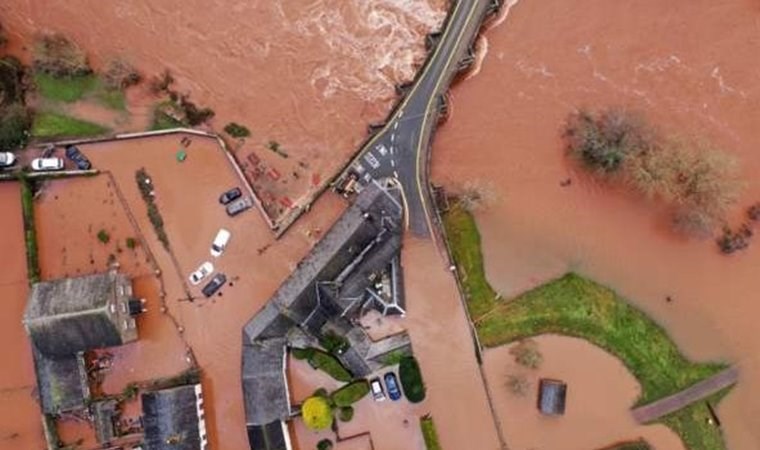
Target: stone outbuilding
x,y
173,419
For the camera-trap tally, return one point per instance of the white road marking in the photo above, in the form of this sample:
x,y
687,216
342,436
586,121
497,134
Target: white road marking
x,y
395,174
393,163
395,126
367,177
393,137
383,150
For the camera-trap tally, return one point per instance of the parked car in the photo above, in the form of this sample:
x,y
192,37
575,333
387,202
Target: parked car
x,y
220,242
238,206
7,159
214,285
45,164
232,194
76,155
203,271
377,389
391,383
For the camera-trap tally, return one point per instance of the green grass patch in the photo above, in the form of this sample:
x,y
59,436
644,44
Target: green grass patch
x,y
111,98
692,424
163,121
30,234
429,433
572,306
464,240
330,365
350,393
49,124
64,89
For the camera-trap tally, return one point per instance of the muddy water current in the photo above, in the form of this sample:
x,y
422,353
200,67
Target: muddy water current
x,y
690,67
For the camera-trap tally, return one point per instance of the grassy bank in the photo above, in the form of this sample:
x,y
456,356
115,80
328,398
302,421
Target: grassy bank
x,y
30,234
72,89
49,124
691,423
575,306
429,433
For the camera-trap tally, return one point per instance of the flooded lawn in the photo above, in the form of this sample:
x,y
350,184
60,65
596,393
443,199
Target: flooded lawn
x,y
698,82
307,76
599,391
20,425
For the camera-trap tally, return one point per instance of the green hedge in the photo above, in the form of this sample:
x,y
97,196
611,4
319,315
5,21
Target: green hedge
x,y
429,433
330,365
302,353
346,413
27,209
411,379
350,393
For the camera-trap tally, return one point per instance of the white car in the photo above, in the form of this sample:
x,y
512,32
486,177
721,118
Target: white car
x,y
378,393
44,164
203,271
220,242
7,159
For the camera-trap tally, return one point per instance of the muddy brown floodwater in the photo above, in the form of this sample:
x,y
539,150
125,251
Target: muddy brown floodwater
x,y
691,67
308,75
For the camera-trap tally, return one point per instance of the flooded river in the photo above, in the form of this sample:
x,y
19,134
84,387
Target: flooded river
x,y
692,68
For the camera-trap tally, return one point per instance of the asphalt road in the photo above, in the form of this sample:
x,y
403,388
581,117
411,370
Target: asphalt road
x,y
401,148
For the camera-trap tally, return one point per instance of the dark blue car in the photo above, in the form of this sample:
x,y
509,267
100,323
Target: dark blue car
x,y
76,155
391,384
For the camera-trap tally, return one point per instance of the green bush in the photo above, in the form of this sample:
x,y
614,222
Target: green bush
x,y
346,413
131,243
237,130
321,392
350,393
146,190
324,444
330,365
411,379
103,236
27,209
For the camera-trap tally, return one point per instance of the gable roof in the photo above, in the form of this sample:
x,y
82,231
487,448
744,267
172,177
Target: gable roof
x,y
61,381
70,315
265,390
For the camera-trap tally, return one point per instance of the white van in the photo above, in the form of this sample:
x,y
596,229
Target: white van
x,y
220,242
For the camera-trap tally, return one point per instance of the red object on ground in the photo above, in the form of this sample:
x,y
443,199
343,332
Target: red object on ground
x,y
285,201
316,179
273,173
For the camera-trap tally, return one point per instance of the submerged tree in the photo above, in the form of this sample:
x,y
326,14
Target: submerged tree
x,y
526,354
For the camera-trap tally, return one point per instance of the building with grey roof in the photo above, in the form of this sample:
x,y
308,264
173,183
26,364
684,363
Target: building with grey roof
x,y
173,419
71,315
355,266
67,317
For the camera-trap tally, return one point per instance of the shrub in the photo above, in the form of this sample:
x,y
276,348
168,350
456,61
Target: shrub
x,y
333,343
146,190
753,212
411,379
194,115
324,444
526,354
131,243
302,353
330,365
58,56
11,81
103,236
731,241
429,433
237,130
350,393
604,141
30,234
15,125
346,413
518,385
316,413
161,83
119,75
321,392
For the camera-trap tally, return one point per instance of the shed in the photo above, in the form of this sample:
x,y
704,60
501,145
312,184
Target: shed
x,y
551,397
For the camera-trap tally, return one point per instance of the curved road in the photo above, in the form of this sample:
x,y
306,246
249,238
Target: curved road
x,y
400,149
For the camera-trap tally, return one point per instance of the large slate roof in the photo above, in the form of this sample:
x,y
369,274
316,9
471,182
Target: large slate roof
x,y
69,315
265,389
170,419
61,382
271,436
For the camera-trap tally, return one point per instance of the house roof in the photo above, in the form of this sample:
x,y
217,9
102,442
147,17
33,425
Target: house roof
x,y
272,436
61,381
551,397
171,419
70,315
265,390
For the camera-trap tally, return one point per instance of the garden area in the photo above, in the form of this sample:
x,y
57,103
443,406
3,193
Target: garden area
x,y
575,306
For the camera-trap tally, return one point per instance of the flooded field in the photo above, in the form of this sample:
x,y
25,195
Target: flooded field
x,y
690,67
308,76
20,425
599,391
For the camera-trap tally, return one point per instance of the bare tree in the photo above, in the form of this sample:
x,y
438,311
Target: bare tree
x,y
518,385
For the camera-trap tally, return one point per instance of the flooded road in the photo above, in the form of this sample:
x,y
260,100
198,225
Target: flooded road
x,y
690,67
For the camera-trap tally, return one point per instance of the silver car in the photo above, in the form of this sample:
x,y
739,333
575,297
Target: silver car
x,y
7,159
238,206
